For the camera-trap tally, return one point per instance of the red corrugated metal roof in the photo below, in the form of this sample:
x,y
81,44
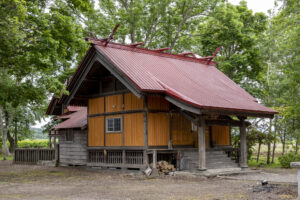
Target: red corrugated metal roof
x,y
77,119
184,78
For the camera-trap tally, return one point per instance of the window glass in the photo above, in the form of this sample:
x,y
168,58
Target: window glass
x,y
113,125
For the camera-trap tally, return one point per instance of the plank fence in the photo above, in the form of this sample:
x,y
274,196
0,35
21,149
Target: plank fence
x,y
33,155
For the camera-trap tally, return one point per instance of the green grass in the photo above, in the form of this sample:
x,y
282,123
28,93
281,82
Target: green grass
x,y
7,158
262,163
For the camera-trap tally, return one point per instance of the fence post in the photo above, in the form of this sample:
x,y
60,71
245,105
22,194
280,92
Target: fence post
x,y
56,155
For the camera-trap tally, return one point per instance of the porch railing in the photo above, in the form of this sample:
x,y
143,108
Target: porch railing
x,y
33,155
116,158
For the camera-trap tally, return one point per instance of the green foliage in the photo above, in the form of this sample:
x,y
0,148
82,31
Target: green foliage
x,y
33,143
236,29
287,158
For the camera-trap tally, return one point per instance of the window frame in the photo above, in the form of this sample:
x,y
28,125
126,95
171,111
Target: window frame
x,y
67,135
114,130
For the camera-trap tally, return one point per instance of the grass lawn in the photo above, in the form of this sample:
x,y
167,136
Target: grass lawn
x,y
8,158
262,162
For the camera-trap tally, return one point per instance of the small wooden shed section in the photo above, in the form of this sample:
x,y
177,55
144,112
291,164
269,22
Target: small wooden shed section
x,y
146,105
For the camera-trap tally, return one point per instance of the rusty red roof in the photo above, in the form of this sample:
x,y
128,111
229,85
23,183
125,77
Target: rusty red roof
x,y
187,79
77,119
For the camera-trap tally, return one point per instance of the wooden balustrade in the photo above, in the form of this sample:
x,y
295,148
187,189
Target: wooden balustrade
x,y
33,155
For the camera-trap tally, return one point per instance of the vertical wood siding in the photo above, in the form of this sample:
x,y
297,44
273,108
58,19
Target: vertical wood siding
x,y
96,105
221,135
114,103
96,131
157,103
113,139
132,102
158,129
181,131
134,129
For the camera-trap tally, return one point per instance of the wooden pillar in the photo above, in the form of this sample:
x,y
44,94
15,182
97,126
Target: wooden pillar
x,y
243,148
154,159
201,145
123,158
49,141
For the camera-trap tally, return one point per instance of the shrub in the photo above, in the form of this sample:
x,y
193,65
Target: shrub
x,y
287,158
33,144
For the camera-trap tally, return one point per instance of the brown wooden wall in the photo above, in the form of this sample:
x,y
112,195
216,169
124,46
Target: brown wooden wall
x,y
182,133
132,124
132,102
96,131
157,103
96,105
134,129
221,135
158,129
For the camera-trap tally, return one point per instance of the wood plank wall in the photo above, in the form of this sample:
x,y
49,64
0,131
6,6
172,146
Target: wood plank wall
x,y
221,135
157,103
182,133
132,123
96,131
158,129
134,129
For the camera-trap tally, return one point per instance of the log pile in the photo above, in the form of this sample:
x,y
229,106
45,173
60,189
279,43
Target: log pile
x,y
165,167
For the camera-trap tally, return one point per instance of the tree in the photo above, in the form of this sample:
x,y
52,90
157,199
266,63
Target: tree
x,y
237,30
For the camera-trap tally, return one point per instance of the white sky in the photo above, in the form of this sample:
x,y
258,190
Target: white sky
x,y
255,5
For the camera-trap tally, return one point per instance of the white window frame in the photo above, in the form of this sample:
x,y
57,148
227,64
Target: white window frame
x,y
113,131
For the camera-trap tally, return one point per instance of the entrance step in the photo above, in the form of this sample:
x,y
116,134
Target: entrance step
x,y
216,159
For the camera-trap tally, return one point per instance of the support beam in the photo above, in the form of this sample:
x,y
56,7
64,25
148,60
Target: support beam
x,y
201,145
243,148
154,159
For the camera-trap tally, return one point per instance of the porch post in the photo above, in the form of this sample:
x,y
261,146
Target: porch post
x,y
243,148
201,145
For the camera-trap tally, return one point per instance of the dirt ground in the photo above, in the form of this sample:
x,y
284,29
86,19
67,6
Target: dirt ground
x,y
39,182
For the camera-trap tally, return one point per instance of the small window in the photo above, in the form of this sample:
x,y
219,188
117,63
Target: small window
x,y
69,135
113,125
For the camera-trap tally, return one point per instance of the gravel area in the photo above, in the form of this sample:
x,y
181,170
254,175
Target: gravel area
x,y
39,182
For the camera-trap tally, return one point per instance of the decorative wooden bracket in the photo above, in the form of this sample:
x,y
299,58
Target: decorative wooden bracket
x,y
111,36
136,44
161,50
187,54
214,55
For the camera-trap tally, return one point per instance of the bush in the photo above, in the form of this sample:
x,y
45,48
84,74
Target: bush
x,y
33,144
287,158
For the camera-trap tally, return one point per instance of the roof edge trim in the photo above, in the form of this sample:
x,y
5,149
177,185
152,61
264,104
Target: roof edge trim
x,y
183,105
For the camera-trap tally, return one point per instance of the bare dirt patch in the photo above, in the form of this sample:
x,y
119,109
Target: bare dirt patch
x,y
37,182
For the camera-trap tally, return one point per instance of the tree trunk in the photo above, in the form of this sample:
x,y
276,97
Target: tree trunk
x,y
11,142
274,144
296,149
258,151
16,134
283,142
4,129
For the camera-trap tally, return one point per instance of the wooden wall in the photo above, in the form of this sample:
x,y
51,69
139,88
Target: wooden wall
x,y
157,103
134,129
159,120
158,129
182,133
221,135
132,123
96,131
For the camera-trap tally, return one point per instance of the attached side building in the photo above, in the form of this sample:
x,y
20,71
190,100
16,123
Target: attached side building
x,y
145,105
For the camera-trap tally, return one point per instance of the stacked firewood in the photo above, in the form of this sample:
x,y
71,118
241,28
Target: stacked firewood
x,y
165,167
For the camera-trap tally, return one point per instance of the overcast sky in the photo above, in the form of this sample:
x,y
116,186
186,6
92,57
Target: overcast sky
x,y
257,5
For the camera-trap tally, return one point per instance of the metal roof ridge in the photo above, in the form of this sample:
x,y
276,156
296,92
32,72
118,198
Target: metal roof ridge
x,y
152,52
